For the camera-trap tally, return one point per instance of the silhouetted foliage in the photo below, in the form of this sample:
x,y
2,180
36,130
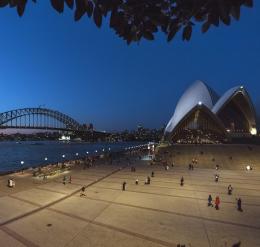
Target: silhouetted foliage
x,y
133,20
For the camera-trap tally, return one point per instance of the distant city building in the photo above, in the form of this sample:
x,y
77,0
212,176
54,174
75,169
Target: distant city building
x,y
202,116
88,126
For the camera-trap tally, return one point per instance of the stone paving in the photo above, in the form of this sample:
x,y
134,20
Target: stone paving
x,y
48,213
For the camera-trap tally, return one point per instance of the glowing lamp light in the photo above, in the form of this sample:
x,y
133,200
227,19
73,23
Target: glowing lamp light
x,y
63,156
253,131
22,162
77,154
45,158
96,151
241,87
199,103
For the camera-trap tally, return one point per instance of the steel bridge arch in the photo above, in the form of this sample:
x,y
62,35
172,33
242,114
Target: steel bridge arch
x,y
69,122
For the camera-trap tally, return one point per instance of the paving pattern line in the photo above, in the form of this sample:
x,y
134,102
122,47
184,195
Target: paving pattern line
x,y
57,201
24,200
175,175
219,184
138,235
176,213
185,189
202,221
50,190
175,196
73,183
18,237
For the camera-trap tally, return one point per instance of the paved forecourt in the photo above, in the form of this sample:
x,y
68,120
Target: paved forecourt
x,y
160,214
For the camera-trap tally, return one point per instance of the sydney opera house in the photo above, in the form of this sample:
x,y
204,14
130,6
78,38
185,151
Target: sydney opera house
x,y
202,116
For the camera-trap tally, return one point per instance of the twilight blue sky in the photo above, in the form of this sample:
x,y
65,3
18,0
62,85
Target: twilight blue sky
x,y
93,76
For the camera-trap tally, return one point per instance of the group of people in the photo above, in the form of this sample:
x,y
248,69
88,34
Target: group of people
x,y
191,167
147,180
133,169
215,203
217,200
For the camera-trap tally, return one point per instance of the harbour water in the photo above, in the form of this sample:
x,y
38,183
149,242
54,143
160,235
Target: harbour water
x,y
19,155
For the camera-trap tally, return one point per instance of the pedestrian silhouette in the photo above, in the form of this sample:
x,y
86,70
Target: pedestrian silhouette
x,y
238,244
239,205
82,193
230,189
210,201
124,185
217,202
182,181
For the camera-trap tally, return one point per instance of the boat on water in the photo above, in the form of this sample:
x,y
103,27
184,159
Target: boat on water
x,y
64,138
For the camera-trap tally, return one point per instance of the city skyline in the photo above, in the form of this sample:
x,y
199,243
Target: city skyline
x,y
91,75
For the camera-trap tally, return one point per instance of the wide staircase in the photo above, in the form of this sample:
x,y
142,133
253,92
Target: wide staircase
x,y
227,156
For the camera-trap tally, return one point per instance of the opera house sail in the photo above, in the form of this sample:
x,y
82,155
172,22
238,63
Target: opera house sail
x,y
201,116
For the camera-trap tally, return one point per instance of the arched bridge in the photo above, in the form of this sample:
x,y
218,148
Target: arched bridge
x,y
38,118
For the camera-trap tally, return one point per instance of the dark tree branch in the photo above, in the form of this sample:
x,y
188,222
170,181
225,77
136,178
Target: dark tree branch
x,y
133,20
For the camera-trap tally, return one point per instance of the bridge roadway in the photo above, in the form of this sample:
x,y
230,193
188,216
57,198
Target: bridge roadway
x,y
48,213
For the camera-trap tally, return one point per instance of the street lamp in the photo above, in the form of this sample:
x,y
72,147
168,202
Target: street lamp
x,y
22,162
45,158
63,156
77,154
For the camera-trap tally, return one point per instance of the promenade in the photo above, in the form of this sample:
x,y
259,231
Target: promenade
x,y
51,214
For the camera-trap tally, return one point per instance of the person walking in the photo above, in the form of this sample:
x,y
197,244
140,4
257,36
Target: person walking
x,y
210,201
239,204
230,189
136,181
64,180
182,181
70,180
148,180
216,178
124,185
82,193
152,174
217,202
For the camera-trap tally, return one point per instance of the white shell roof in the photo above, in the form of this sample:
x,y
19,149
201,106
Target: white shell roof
x,y
225,97
197,93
